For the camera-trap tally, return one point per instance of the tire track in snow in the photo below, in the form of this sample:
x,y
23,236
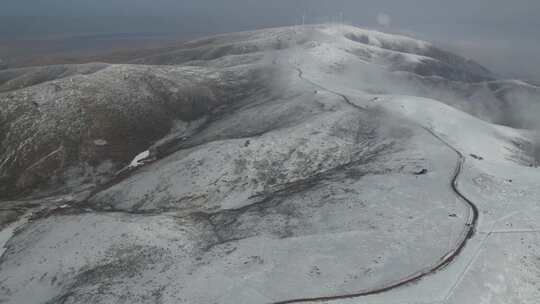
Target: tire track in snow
x,y
467,233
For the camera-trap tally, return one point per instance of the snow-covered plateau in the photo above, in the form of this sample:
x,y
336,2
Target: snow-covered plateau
x,y
318,163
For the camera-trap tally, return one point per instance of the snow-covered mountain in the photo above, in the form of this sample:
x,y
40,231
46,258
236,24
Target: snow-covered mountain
x,y
286,165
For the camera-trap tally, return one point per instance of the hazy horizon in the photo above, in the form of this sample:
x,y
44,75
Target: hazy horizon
x,y
496,33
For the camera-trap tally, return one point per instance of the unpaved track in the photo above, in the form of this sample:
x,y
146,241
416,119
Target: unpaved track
x,y
466,234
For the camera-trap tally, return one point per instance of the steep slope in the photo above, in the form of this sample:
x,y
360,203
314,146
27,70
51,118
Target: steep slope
x,y
285,165
83,128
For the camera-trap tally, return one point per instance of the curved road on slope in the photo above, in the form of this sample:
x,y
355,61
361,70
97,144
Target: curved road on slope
x,y
467,233
347,100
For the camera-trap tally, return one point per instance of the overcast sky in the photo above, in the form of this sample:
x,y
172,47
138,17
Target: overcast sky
x,y
501,34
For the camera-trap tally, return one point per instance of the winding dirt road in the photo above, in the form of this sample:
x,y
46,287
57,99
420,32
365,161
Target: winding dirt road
x,y
467,233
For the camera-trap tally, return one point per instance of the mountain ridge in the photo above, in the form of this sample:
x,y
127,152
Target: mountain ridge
x,y
289,163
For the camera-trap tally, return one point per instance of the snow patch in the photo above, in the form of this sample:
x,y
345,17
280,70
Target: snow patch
x,y
139,159
100,142
468,133
7,233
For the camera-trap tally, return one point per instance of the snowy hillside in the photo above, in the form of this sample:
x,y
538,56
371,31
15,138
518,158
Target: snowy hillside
x,y
288,165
